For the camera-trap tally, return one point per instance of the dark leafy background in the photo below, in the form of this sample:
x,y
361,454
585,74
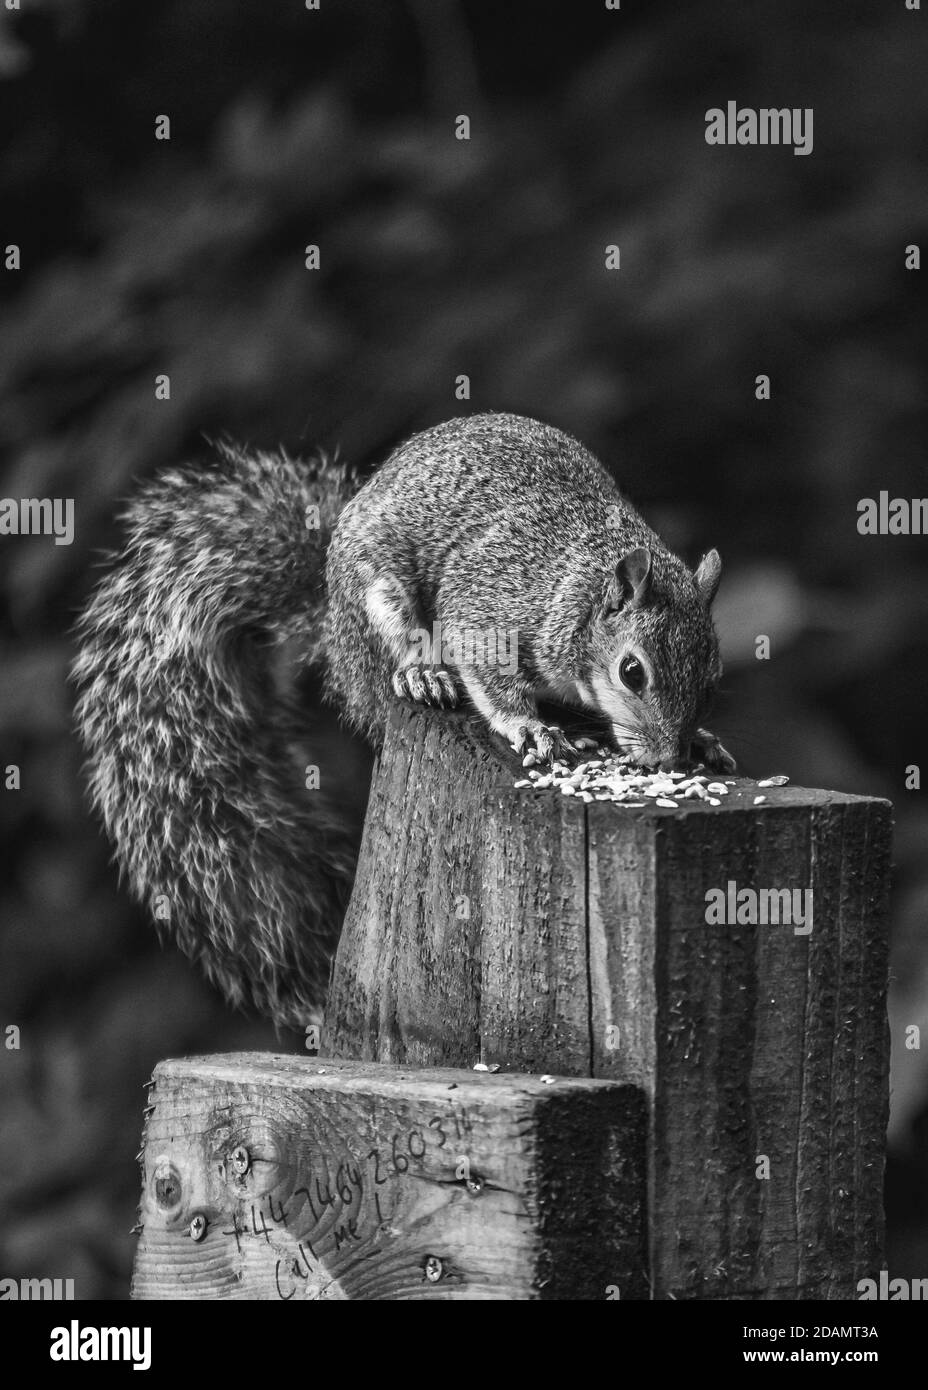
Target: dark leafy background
x,y
442,257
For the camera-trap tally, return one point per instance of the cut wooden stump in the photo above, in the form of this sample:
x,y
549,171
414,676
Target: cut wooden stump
x,y
530,930
268,1177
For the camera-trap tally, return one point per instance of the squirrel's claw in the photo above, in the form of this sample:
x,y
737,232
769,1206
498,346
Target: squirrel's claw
x,y
446,692
426,685
707,749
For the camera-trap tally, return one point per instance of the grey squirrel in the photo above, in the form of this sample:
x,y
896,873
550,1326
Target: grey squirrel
x,y
486,525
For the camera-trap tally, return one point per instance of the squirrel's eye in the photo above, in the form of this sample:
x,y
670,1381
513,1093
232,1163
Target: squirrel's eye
x,y
632,674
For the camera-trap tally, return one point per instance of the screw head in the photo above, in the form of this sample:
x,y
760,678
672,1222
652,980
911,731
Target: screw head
x,y
241,1160
433,1268
475,1186
198,1225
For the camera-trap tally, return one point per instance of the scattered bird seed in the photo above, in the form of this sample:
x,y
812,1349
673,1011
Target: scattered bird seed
x,y
605,775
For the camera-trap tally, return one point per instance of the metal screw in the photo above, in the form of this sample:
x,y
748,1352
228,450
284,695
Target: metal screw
x,y
475,1186
241,1159
198,1227
433,1268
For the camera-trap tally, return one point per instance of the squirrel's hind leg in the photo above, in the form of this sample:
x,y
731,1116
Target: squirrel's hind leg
x,y
399,624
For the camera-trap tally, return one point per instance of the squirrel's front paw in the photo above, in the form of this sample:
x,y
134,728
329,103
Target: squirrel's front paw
x,y
707,749
427,685
547,741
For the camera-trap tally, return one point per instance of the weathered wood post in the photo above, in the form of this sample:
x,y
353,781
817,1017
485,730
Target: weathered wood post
x,y
269,1177
526,929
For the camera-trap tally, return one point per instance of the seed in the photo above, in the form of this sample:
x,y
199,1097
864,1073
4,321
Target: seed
x,y
717,789
779,781
665,801
759,799
529,760
714,801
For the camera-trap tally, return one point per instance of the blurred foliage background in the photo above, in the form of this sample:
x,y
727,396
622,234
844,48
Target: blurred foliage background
x,y
441,257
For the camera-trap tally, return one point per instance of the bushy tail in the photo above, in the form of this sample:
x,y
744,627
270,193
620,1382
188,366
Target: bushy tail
x,y
197,761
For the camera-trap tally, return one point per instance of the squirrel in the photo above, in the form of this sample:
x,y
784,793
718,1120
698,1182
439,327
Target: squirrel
x,y
484,528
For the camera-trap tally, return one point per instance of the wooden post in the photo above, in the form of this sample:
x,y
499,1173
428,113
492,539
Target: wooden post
x,y
269,1177
526,929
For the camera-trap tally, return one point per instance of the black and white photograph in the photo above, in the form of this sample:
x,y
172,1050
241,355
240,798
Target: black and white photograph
x,y
463,667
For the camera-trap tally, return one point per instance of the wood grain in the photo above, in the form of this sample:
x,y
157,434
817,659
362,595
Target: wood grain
x,y
360,1180
587,952
417,980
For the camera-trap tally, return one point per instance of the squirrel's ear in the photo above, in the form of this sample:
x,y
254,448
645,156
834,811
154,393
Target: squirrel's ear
x,y
630,586
708,575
